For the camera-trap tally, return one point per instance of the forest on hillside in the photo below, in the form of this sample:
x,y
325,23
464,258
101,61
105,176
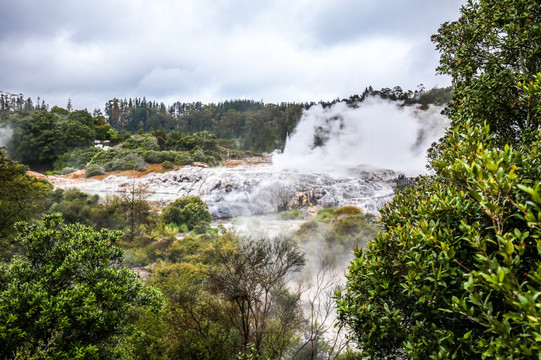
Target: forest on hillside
x,y
239,124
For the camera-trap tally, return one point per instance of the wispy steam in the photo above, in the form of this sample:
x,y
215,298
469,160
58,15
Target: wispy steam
x,y
378,133
5,136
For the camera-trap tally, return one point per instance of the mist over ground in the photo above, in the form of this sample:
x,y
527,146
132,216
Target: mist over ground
x,y
377,133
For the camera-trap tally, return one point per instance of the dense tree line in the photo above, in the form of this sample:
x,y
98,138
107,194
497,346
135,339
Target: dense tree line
x,y
252,125
15,102
42,137
63,140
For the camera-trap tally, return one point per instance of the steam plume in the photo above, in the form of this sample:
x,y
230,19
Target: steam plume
x,y
378,133
5,136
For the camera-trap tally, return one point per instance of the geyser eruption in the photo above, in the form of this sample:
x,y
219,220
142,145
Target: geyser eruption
x,y
337,156
377,133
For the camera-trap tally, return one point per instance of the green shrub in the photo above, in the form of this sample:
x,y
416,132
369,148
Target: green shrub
x,y
144,142
75,159
68,296
152,157
156,157
346,211
351,231
183,228
309,230
131,161
188,210
325,215
117,159
136,257
289,215
168,155
167,164
94,170
183,158
198,155
456,272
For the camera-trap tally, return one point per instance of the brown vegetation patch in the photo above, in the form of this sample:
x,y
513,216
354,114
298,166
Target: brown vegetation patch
x,y
249,161
152,168
36,175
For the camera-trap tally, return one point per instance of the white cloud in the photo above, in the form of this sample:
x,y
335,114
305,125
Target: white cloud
x,y
206,50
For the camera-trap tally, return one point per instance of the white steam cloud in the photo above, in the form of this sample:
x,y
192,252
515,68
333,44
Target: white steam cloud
x,y
378,134
5,136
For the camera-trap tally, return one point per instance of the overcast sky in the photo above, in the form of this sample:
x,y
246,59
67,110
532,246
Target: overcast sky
x,y
188,50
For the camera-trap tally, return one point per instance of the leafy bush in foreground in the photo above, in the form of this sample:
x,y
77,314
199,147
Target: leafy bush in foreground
x,y
68,297
456,273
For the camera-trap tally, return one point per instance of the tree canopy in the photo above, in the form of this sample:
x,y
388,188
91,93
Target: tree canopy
x,y
187,210
20,195
456,273
68,296
40,137
492,50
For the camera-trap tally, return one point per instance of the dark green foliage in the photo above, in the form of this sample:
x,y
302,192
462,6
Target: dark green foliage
x,y
78,207
104,131
94,170
195,324
188,210
183,158
138,151
59,111
246,124
36,138
74,205
492,47
21,196
40,137
68,297
456,273
76,159
118,159
78,129
200,326
156,157
147,142
167,165
456,270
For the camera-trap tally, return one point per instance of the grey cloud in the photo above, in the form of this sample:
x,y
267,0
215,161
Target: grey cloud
x,y
42,19
345,20
214,50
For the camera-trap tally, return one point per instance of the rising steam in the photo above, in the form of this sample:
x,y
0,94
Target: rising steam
x,y
377,133
5,136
